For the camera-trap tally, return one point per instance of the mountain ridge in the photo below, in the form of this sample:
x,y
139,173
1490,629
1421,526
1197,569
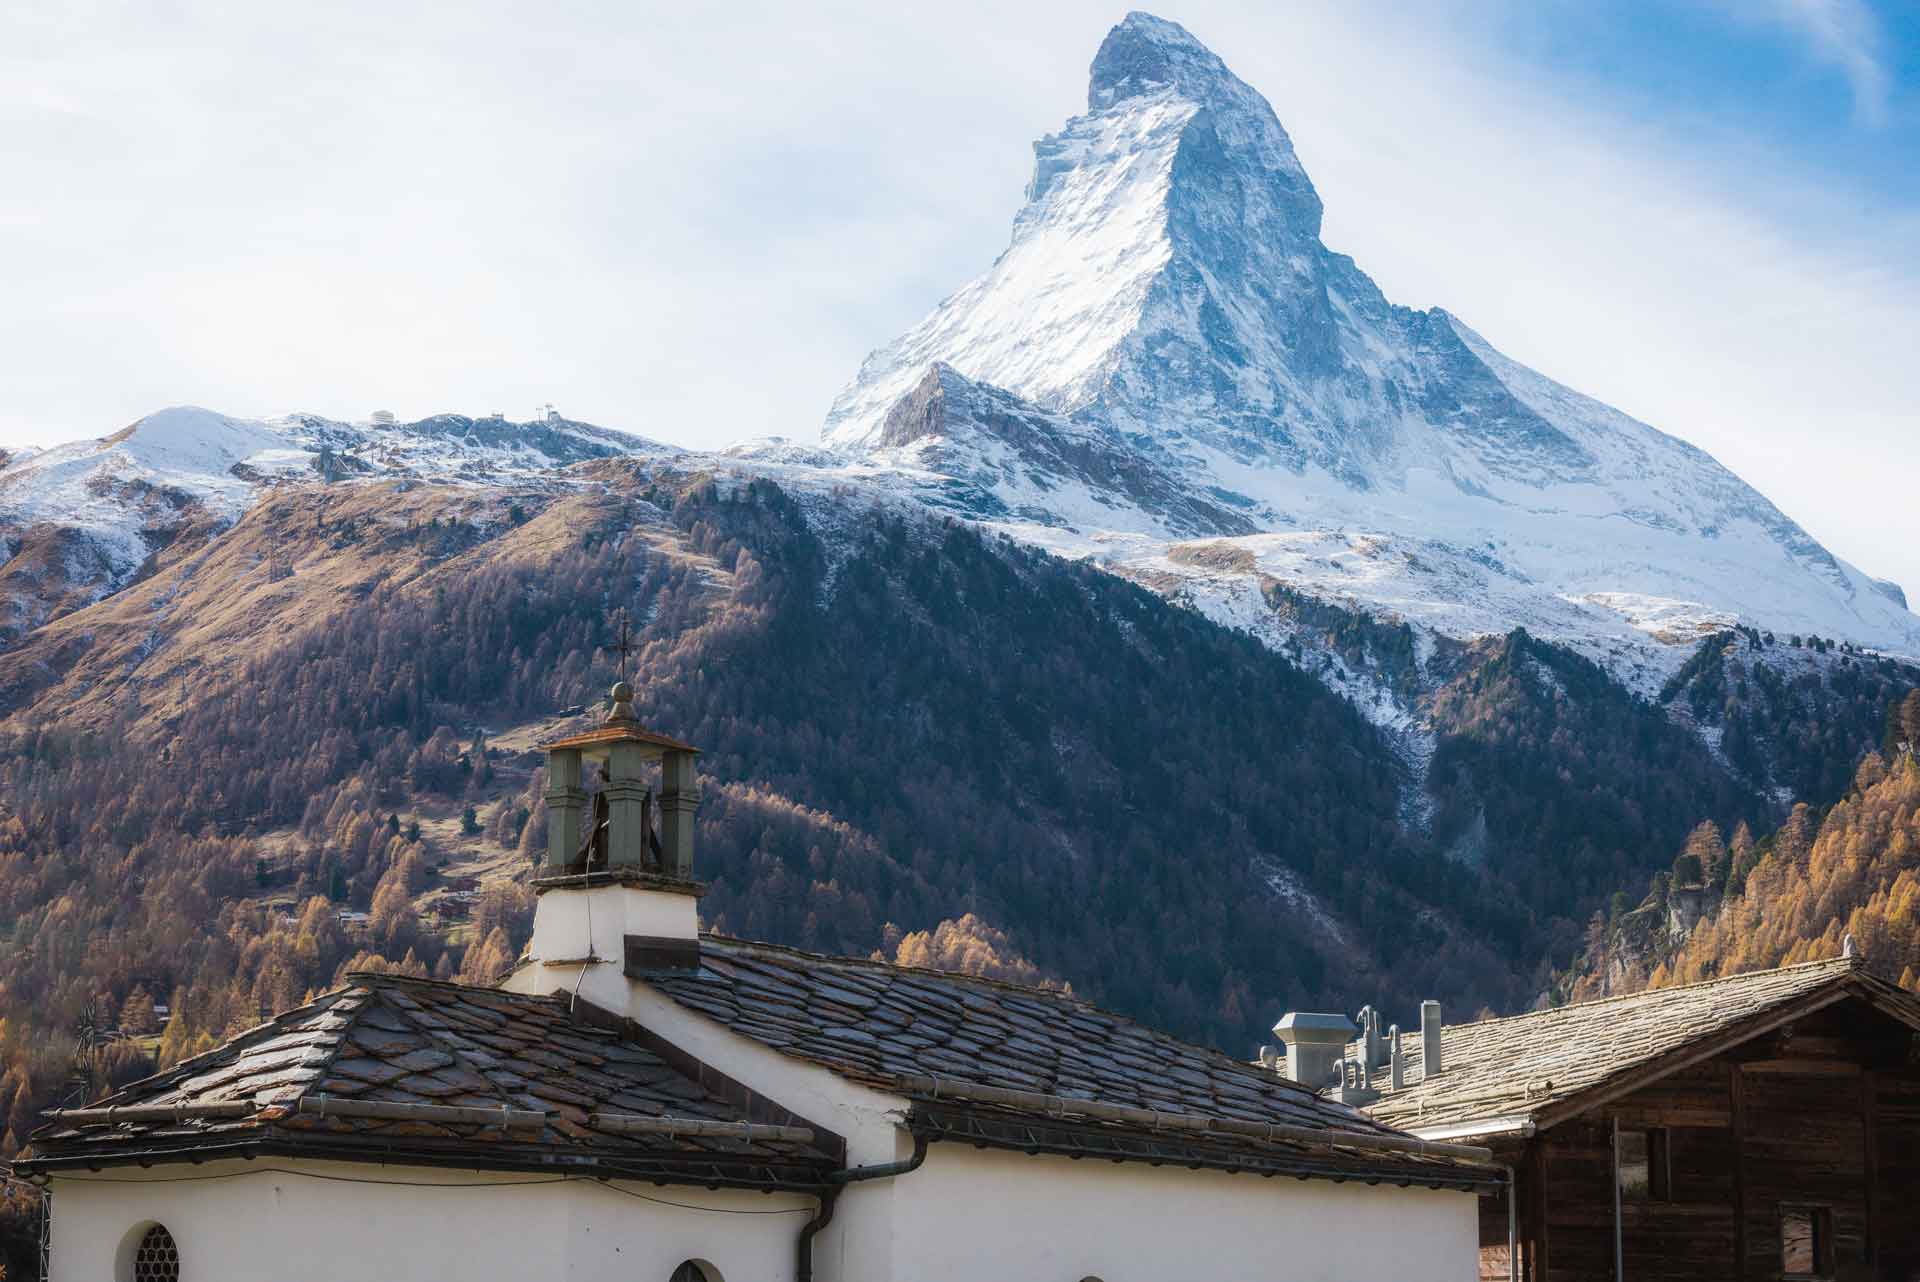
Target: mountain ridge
x,y
1165,284
82,520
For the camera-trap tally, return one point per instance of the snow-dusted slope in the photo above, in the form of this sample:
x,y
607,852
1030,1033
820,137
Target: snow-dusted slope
x,y
111,489
1166,294
80,520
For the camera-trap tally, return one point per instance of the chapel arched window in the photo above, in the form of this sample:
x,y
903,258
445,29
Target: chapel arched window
x,y
156,1259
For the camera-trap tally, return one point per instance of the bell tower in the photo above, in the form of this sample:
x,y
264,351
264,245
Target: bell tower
x,y
617,884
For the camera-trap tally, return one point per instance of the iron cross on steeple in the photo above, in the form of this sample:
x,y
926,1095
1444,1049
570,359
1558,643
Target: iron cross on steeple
x,y
623,645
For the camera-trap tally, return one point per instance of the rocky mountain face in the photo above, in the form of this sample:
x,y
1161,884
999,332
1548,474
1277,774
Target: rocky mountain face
x,y
1021,463
1167,296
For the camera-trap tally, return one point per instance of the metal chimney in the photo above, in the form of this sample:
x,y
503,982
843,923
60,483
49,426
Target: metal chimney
x,y
1316,1043
1430,1038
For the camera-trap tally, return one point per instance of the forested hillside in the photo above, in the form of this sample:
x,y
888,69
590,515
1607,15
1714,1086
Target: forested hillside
x,y
310,747
1560,782
1735,904
903,726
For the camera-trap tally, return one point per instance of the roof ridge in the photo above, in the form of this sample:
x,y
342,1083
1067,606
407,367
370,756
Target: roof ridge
x,y
1850,965
375,978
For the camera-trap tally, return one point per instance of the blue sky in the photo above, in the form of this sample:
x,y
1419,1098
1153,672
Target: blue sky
x,y
1826,86
693,221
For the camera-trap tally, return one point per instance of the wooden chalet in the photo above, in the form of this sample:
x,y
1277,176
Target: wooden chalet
x,y
1763,1126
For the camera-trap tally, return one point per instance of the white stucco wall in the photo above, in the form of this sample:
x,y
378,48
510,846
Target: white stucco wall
x,y
267,1221
969,1214
574,922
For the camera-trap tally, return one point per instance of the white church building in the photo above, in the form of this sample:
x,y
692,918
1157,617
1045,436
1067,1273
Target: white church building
x,y
642,1102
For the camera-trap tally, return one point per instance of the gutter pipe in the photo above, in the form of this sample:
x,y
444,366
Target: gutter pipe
x,y
837,1181
1619,1244
1513,1224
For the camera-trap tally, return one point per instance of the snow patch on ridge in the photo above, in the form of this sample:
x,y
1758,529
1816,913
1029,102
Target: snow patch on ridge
x,y
1289,888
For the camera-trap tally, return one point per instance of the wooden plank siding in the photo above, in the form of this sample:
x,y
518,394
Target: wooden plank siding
x,y
1897,1158
1824,1113
1493,1235
1805,1145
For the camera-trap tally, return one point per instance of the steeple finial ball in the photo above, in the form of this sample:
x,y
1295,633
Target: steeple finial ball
x,y
622,709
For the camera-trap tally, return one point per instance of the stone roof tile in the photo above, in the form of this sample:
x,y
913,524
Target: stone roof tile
x,y
390,1038
967,1029
1524,1066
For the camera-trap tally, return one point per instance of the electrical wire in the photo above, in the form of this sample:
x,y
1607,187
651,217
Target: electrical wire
x,y
718,1210
601,1181
573,998
333,1179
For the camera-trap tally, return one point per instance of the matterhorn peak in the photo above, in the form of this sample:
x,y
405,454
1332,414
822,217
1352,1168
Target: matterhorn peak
x,y
1144,54
1178,187
1166,344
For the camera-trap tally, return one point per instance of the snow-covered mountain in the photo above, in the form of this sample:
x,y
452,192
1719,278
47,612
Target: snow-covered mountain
x,y
1168,371
1167,311
81,520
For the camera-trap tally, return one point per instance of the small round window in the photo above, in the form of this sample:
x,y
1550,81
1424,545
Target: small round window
x,y
156,1259
695,1271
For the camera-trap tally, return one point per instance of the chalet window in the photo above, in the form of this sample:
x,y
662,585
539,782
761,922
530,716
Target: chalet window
x,y
1646,1173
156,1259
1806,1241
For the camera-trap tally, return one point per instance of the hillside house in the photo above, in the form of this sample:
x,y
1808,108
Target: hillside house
x,y
1759,1127
640,1100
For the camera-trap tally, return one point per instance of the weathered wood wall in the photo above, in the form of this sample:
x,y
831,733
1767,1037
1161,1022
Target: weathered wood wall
x,y
1825,1113
1493,1234
1896,1136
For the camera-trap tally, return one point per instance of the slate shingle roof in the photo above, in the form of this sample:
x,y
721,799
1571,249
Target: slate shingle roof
x,y
1534,1066
409,1041
884,1025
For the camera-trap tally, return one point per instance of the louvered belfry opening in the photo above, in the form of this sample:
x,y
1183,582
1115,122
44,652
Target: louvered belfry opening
x,y
639,820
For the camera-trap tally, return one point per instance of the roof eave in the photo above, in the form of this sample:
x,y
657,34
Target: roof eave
x,y
1035,1136
627,733
1485,1128
704,1170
